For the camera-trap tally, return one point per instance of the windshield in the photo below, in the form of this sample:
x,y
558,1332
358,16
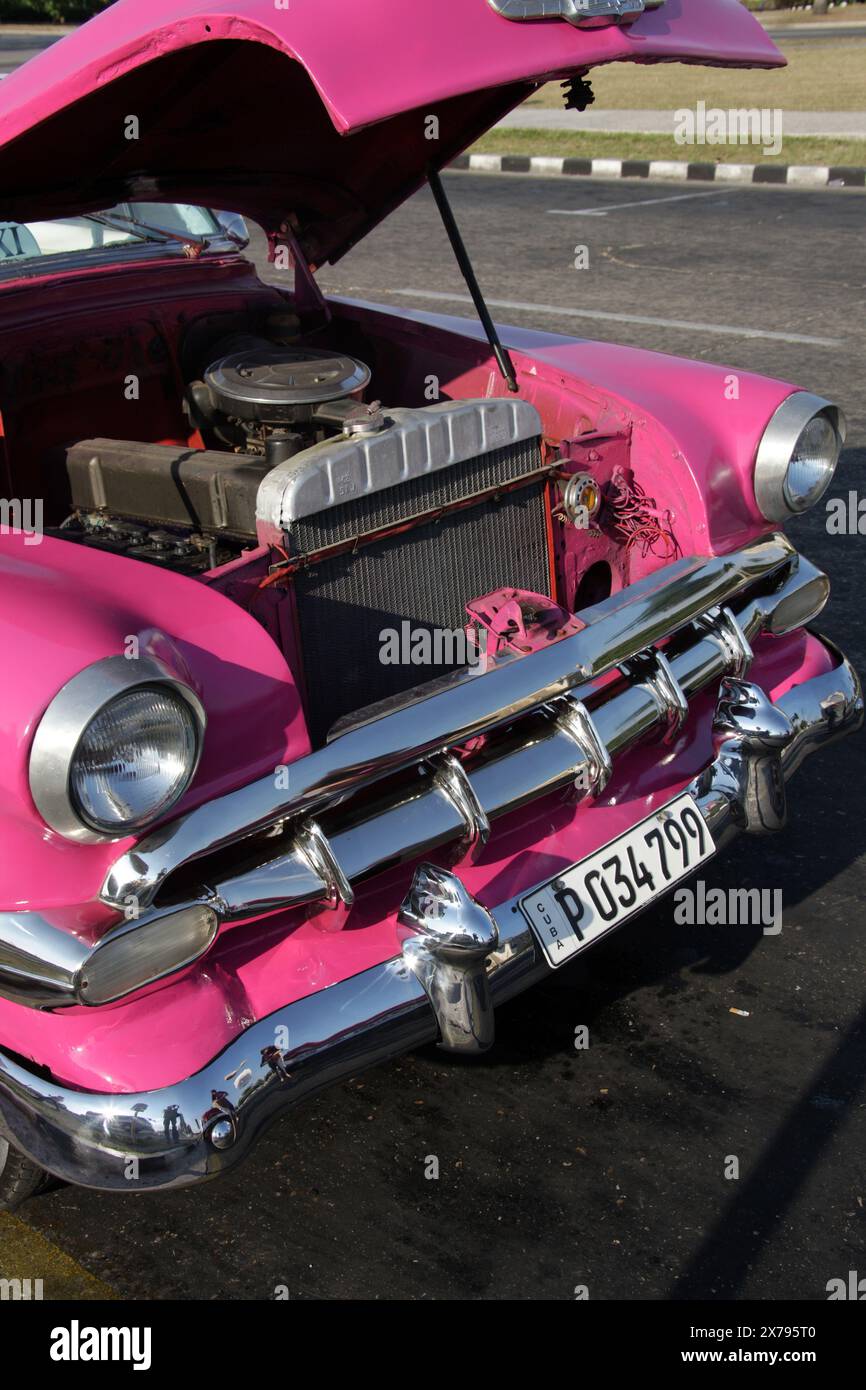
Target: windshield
x,y
126,224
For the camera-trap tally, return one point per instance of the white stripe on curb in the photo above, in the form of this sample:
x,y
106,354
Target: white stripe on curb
x,y
796,175
736,173
668,169
607,168
486,163
545,164
816,175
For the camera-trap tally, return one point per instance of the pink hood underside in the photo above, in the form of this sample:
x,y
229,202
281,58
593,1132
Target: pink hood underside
x,y
243,105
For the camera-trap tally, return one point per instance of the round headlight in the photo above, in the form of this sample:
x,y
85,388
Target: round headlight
x,y
134,759
797,455
812,465
116,749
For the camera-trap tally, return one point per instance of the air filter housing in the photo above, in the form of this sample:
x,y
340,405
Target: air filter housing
x,y
280,385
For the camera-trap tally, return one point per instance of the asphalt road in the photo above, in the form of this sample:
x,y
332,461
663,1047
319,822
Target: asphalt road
x,y
838,30
602,1167
18,46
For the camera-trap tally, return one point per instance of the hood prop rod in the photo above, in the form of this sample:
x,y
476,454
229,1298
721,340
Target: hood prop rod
x,y
503,359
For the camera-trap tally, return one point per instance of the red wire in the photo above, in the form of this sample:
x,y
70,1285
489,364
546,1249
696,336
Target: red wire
x,y
640,521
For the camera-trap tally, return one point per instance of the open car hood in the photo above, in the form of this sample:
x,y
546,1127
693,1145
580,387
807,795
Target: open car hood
x,y
322,115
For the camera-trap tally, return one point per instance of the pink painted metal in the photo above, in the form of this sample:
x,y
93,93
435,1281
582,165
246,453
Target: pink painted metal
x,y
692,447
160,1037
357,79
65,606
519,621
692,441
372,59
245,77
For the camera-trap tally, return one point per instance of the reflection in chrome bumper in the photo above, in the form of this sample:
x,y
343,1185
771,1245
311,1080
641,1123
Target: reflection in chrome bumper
x,y
206,1124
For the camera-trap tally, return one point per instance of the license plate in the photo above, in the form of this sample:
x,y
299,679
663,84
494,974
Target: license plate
x,y
587,900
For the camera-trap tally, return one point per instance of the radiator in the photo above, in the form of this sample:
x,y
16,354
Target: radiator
x,y
460,539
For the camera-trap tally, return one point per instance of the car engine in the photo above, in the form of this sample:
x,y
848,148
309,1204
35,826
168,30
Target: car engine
x,y
373,516
191,509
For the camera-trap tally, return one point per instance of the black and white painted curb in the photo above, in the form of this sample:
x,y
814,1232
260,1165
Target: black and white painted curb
x,y
794,175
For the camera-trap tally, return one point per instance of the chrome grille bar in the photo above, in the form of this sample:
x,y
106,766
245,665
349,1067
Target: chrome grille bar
x,y
573,747
453,711
569,741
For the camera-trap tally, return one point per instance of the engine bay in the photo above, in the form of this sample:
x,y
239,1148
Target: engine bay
x,y
374,517
257,405
259,459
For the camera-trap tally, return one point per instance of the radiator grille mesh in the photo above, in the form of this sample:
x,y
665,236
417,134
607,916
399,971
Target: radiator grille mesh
x,y
423,576
417,497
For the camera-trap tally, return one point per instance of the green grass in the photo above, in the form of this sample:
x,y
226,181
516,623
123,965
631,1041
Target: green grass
x,y
784,14
825,75
801,149
50,11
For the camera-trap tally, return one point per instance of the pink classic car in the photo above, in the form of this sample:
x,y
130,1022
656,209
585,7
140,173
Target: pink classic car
x,y
361,666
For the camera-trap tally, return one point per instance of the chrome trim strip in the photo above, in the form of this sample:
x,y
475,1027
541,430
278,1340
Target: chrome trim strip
x,y
412,444
653,670
39,963
450,712
312,845
723,623
562,749
452,779
583,14
575,720
205,1124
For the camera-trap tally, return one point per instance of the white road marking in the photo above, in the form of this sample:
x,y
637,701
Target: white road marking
x,y
726,330
640,203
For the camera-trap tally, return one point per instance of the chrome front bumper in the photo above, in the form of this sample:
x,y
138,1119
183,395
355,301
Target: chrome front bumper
x,y
396,787
459,962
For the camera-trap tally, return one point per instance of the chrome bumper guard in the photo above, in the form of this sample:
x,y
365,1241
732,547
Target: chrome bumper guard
x,y
458,961
621,632
549,728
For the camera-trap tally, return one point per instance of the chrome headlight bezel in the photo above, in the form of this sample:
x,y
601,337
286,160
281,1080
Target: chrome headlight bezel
x,y
64,724
776,450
